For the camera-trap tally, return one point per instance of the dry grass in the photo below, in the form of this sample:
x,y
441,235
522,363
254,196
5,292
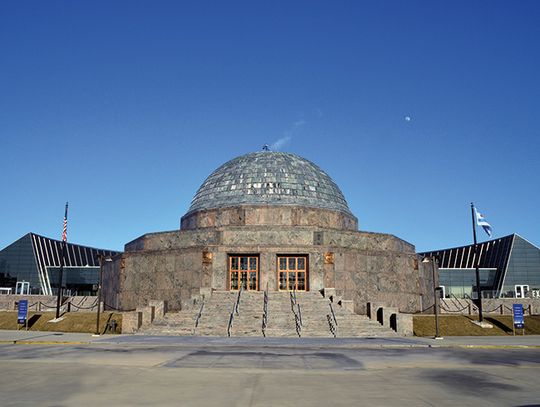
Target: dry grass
x,y
461,325
84,322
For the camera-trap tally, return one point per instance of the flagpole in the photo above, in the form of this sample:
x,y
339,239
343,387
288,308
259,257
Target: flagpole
x,y
62,257
476,265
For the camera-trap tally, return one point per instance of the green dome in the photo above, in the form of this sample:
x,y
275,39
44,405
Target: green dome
x,y
269,178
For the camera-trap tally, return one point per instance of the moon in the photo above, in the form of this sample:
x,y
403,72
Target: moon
x,y
407,118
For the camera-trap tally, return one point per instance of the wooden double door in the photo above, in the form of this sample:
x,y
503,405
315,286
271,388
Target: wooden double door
x,y
292,272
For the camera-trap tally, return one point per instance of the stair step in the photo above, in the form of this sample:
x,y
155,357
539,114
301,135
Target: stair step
x,y
217,310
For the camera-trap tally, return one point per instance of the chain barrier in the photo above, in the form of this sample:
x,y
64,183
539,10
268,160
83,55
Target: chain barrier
x,y
453,297
424,310
443,306
67,305
110,307
92,306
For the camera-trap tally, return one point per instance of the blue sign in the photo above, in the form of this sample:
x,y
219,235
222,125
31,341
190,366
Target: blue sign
x,y
519,321
23,311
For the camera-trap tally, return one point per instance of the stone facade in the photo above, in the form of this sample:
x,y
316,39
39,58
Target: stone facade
x,y
250,215
268,205
171,265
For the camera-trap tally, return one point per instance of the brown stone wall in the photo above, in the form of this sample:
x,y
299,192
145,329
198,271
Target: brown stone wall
x,y
366,266
176,239
383,277
262,215
170,275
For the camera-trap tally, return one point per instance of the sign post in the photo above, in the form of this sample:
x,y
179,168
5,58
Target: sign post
x,y
23,313
519,320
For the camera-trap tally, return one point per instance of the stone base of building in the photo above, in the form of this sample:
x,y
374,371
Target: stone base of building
x,y
180,266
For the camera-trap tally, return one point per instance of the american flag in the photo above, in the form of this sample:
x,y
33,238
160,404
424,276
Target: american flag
x,y
64,230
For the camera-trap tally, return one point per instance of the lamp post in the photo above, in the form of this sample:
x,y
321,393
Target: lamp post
x,y
436,297
102,258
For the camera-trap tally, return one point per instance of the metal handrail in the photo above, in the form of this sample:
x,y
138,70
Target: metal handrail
x,y
265,311
231,317
331,326
297,315
199,314
297,325
333,315
238,299
234,311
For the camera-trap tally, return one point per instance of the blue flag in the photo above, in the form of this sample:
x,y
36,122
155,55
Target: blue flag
x,y
481,221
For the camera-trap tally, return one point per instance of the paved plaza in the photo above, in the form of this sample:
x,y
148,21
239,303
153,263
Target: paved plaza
x,y
48,369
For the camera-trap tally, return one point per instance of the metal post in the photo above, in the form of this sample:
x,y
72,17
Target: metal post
x,y
60,276
435,298
99,292
477,265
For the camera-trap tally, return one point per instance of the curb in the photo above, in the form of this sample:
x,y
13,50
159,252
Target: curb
x,y
27,342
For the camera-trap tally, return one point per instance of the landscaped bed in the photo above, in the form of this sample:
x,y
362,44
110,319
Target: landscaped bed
x,y
461,325
84,322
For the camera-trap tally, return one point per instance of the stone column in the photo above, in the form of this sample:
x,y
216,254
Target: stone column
x,y
207,258
267,271
316,271
329,269
219,271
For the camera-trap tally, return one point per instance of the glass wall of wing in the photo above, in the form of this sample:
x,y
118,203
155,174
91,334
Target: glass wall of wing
x,y
462,282
77,280
523,269
17,263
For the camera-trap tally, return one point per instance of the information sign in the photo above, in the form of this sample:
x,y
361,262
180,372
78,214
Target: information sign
x,y
23,312
519,321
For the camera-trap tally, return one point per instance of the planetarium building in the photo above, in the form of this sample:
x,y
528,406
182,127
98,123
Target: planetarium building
x,y
274,222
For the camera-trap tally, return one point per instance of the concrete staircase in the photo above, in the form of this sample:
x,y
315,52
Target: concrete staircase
x,y
311,316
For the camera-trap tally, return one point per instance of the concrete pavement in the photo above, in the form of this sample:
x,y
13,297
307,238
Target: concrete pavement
x,y
42,337
52,369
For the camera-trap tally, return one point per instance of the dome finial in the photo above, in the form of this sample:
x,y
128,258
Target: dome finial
x,y
266,147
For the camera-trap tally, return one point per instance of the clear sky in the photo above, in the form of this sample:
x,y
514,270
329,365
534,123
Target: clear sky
x,y
414,108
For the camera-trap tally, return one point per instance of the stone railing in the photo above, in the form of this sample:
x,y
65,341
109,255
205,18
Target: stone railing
x,y
390,317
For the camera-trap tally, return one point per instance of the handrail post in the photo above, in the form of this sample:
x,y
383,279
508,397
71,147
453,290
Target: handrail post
x,y
199,314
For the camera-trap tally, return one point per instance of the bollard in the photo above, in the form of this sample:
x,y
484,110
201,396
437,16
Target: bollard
x,y
113,324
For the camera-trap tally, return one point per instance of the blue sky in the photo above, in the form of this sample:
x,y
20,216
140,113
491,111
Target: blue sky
x,y
124,108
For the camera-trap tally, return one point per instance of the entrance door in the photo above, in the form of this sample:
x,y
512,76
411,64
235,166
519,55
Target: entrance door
x,y
244,272
521,291
292,273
